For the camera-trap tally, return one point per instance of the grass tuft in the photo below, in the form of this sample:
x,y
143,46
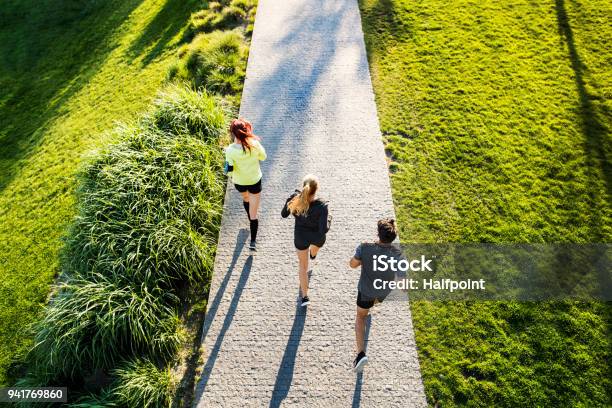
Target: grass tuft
x,y
104,399
214,61
223,16
143,385
180,111
93,323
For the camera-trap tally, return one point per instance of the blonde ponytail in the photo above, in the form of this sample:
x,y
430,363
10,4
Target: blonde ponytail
x,y
300,204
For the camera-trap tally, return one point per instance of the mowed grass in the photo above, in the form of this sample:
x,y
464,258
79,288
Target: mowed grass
x,y
68,71
497,121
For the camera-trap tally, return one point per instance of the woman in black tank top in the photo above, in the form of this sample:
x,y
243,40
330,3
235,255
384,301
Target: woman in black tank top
x,y
311,224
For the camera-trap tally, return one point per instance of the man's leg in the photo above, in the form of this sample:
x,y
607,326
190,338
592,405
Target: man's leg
x,y
360,329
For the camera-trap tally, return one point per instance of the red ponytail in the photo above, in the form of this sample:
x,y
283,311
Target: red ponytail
x,y
242,130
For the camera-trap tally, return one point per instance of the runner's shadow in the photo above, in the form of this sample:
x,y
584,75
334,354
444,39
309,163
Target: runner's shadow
x,y
229,317
214,305
359,379
188,380
284,377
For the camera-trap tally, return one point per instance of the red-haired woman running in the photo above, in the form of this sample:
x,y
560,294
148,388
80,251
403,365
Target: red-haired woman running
x,y
243,157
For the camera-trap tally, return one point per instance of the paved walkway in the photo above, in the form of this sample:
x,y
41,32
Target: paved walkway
x,y
309,96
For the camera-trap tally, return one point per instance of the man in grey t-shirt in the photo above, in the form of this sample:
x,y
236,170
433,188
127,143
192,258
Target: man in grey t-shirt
x,y
371,288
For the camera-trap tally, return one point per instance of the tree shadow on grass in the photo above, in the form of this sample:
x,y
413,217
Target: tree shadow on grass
x,y
595,118
49,52
166,24
381,18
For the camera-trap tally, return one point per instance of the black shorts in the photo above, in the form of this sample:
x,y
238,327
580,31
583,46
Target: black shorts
x,y
303,240
253,188
367,303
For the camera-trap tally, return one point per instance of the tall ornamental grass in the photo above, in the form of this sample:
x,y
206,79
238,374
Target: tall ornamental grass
x,y
142,384
138,384
150,208
93,323
214,61
180,111
149,212
223,15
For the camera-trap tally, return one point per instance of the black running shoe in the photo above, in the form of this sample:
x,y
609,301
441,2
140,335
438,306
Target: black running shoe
x,y
310,255
305,301
360,361
253,245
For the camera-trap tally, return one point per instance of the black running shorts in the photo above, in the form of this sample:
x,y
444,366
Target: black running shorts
x,y
253,188
304,239
366,303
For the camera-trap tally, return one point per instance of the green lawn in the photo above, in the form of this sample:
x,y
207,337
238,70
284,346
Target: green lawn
x,y
497,120
68,71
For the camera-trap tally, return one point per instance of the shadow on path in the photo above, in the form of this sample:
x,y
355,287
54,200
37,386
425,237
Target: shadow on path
x,y
229,317
213,306
290,88
185,394
359,378
284,377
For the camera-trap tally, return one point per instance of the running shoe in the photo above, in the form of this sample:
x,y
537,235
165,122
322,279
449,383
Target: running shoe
x,y
360,361
253,245
305,301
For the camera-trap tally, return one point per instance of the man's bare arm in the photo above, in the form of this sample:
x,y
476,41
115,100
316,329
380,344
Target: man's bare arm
x,y
354,263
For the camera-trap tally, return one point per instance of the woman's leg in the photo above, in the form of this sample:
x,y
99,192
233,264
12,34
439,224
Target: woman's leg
x,y
303,270
253,207
316,246
254,200
245,202
314,250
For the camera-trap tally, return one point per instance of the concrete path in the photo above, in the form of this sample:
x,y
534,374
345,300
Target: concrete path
x,y
309,96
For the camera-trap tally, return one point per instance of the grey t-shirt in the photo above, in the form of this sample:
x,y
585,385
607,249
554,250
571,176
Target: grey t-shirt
x,y
365,253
